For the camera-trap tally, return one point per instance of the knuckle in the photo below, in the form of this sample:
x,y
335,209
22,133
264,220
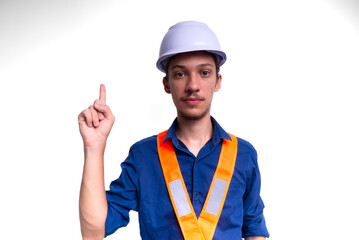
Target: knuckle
x,y
108,108
85,112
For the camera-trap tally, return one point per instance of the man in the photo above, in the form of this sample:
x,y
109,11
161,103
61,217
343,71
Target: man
x,y
194,181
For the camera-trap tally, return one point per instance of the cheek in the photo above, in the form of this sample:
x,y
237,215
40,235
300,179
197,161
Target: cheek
x,y
175,94
177,88
210,88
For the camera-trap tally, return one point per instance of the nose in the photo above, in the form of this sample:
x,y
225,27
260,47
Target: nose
x,y
193,83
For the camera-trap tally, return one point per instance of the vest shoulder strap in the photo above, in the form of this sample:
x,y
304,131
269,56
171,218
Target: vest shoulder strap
x,y
205,226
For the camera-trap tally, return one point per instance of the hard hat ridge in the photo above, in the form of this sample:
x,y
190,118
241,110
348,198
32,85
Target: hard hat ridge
x,y
189,36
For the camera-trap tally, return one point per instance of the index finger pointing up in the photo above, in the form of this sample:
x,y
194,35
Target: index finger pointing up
x,y
103,94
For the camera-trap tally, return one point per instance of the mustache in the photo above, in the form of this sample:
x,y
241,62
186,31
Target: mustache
x,y
192,96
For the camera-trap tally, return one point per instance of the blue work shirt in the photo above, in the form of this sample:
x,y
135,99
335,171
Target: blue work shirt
x,y
142,187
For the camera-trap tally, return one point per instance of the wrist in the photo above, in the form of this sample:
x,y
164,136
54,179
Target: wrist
x,y
95,149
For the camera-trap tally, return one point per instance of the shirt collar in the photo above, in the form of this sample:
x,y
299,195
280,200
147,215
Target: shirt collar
x,y
218,133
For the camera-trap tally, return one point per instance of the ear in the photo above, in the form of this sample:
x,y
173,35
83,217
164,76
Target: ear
x,y
166,85
218,83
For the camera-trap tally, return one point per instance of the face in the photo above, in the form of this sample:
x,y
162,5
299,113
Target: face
x,y
192,81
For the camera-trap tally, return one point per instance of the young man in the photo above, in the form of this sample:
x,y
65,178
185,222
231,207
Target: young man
x,y
194,181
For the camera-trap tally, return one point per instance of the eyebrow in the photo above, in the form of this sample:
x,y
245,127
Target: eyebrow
x,y
199,66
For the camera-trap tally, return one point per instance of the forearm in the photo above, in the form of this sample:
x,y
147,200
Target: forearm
x,y
255,238
93,203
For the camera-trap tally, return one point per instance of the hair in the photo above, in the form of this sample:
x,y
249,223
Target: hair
x,y
212,54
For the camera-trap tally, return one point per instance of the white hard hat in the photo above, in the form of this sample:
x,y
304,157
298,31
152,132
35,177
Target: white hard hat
x,y
189,36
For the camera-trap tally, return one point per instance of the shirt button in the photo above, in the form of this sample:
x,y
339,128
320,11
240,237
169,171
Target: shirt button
x,y
196,194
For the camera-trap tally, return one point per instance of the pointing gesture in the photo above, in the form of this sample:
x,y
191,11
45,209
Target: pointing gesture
x,y
103,94
96,122
102,99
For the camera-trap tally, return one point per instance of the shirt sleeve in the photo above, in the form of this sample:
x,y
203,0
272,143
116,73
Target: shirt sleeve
x,y
122,196
253,219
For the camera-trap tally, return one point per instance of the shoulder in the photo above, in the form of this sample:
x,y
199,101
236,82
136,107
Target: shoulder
x,y
146,144
246,151
246,146
141,152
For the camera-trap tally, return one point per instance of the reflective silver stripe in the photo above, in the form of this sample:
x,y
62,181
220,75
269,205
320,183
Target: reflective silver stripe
x,y
215,199
179,197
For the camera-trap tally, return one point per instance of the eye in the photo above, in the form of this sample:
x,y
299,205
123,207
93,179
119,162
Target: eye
x,y
206,73
179,74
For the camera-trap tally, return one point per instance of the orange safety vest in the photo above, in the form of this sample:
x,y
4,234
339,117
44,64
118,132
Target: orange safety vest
x,y
202,228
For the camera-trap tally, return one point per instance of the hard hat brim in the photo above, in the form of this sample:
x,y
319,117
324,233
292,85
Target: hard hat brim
x,y
164,60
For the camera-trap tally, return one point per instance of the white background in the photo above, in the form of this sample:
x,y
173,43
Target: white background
x,y
290,87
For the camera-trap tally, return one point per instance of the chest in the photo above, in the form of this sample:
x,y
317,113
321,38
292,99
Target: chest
x,y
197,173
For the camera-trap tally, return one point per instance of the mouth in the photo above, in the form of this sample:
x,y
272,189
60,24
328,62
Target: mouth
x,y
192,100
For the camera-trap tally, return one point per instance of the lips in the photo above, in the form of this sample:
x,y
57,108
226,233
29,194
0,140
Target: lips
x,y
192,100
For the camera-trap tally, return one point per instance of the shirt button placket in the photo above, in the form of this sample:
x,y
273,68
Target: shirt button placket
x,y
195,186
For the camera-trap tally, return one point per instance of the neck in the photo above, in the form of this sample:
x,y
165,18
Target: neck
x,y
194,133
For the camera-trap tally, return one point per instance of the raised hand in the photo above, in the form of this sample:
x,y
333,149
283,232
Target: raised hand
x,y
96,122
